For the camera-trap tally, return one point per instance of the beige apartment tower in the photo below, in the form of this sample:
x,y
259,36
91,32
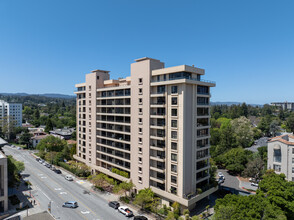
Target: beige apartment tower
x,y
153,125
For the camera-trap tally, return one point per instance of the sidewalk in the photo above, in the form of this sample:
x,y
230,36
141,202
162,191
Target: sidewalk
x,y
26,196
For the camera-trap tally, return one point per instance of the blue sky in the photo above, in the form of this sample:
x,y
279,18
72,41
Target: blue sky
x,y
247,47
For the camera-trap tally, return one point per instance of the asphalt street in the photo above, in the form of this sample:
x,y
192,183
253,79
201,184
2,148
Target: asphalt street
x,y
53,187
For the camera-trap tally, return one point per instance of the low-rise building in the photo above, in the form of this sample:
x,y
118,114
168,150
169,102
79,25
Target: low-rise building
x,y
281,155
64,133
3,183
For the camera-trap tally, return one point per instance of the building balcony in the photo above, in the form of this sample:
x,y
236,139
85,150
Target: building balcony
x,y
157,158
156,179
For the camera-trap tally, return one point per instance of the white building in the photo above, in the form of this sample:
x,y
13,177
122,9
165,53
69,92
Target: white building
x,y
281,155
11,111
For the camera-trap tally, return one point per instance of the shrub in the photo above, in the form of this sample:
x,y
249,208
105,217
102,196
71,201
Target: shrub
x,y
120,172
125,199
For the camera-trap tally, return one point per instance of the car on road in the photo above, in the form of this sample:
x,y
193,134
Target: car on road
x,y
18,148
41,161
70,204
68,177
53,168
38,159
113,204
140,217
125,210
57,171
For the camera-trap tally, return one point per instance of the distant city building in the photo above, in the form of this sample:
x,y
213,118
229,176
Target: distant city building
x,y
153,126
284,105
281,155
10,111
64,133
3,183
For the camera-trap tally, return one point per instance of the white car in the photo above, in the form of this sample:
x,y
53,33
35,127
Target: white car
x,y
68,177
254,184
220,174
125,210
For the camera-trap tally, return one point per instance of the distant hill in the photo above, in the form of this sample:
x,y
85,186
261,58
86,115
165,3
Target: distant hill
x,y
49,95
233,103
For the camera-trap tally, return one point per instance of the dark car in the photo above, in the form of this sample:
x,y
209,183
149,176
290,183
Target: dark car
x,y
114,204
57,171
140,217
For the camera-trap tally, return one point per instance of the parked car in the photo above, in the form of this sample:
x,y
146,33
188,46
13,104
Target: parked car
x,y
254,184
140,217
18,148
221,179
53,168
38,159
48,165
114,204
57,171
125,210
70,204
68,177
41,161
220,174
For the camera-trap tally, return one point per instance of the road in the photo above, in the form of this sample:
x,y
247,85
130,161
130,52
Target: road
x,y
53,187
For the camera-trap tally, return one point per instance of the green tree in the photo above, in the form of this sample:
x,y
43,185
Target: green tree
x,y
144,198
126,186
243,131
49,125
51,143
14,169
290,122
254,168
25,138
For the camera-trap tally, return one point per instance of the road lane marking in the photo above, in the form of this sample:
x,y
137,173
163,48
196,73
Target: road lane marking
x,y
80,182
57,189
85,212
43,177
61,193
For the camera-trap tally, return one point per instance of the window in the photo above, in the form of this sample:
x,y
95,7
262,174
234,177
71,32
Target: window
x,y
160,89
140,111
292,160
164,77
140,80
277,168
158,78
174,146
140,120
174,112
140,100
174,100
173,168
174,134
89,88
140,140
174,123
97,77
140,90
140,159
140,179
140,169
173,190
174,157
174,89
292,150
140,130
174,179
292,169
140,149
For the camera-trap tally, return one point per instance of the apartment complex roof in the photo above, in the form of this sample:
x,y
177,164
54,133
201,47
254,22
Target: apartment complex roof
x,y
286,139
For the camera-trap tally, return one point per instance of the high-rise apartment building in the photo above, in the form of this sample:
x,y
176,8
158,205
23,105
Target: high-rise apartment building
x,y
154,126
10,112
